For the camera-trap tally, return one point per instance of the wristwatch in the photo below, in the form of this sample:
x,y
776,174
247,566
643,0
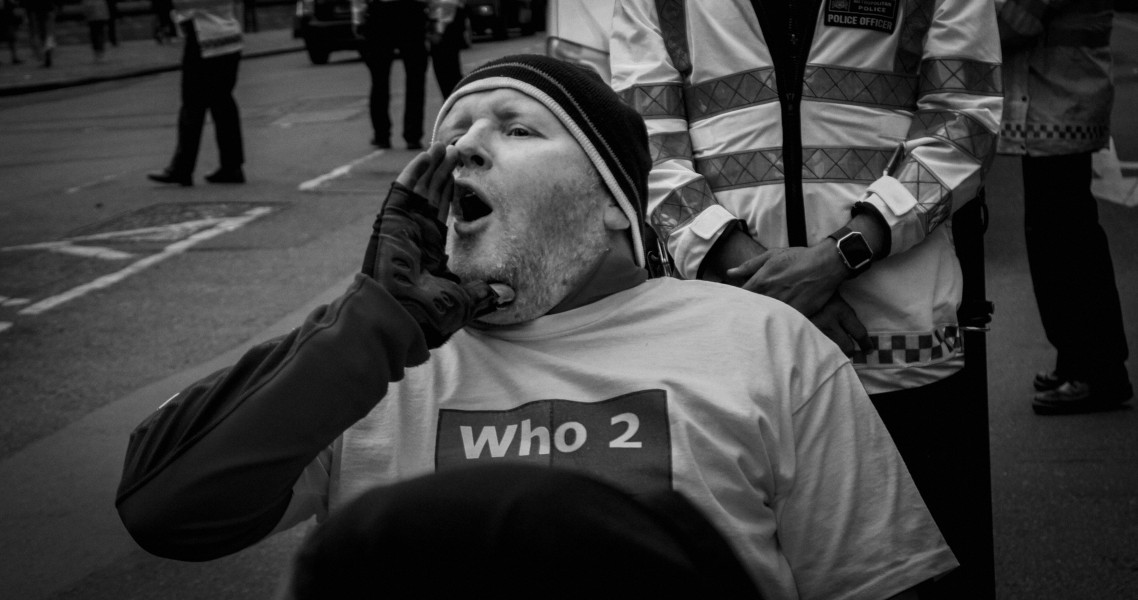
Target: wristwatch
x,y
853,250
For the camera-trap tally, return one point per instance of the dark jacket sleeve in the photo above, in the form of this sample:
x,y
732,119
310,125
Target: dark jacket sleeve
x,y
211,472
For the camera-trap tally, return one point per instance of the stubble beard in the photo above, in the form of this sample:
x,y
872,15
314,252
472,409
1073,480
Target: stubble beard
x,y
543,260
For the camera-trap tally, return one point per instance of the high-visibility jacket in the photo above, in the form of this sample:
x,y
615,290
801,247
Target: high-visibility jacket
x,y
1056,76
217,24
442,13
788,136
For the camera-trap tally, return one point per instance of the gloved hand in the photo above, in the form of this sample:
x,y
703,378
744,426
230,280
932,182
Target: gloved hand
x,y
406,253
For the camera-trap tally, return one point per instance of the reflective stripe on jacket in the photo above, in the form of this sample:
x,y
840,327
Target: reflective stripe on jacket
x,y
731,140
1057,76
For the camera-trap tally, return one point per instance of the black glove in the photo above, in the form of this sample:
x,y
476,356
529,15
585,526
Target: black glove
x,y
406,255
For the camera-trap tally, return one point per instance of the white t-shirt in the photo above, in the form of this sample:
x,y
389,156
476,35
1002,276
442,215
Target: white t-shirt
x,y
729,397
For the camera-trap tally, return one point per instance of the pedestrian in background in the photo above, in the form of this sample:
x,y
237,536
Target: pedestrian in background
x,y
814,152
10,21
41,28
164,28
446,38
210,60
1057,114
97,13
387,26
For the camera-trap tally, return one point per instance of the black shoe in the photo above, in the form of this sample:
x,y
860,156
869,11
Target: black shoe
x,y
1046,381
414,145
381,144
226,176
1076,397
168,176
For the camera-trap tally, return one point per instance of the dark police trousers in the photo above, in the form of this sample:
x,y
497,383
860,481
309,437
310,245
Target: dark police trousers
x,y
395,26
1071,269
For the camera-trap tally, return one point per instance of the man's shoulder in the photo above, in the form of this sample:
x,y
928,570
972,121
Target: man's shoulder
x,y
716,308
745,330
717,295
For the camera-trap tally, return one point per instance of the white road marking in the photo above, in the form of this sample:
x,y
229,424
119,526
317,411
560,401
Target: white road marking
x,y
4,325
82,186
223,226
312,184
6,301
160,233
94,252
66,247
319,116
1128,164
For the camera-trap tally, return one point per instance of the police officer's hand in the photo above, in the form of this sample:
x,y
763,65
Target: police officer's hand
x,y
804,278
406,253
839,322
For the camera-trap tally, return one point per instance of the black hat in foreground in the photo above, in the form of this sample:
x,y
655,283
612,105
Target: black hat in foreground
x,y
516,531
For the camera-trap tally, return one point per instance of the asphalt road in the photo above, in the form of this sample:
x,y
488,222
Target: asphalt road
x,y
76,376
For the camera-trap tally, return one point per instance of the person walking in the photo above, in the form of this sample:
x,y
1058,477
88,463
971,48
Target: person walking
x,y
1058,98
164,28
10,21
210,59
97,14
814,151
388,26
41,28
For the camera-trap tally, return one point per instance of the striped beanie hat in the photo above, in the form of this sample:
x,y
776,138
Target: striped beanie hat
x,y
611,133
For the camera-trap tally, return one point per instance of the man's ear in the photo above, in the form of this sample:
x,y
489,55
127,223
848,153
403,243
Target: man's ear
x,y
615,219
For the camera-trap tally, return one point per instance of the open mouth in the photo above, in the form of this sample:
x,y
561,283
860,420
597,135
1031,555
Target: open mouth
x,y
471,207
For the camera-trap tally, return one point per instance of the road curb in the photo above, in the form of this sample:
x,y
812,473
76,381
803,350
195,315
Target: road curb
x,y
18,90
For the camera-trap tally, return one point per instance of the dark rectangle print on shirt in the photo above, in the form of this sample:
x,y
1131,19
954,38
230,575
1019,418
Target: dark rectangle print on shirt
x,y
623,440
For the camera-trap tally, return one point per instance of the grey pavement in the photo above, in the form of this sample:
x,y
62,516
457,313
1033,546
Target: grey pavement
x,y
75,64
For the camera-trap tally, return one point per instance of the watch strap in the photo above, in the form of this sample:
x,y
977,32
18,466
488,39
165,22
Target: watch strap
x,y
866,208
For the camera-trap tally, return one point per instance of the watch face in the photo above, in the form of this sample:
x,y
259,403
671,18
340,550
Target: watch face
x,y
854,250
